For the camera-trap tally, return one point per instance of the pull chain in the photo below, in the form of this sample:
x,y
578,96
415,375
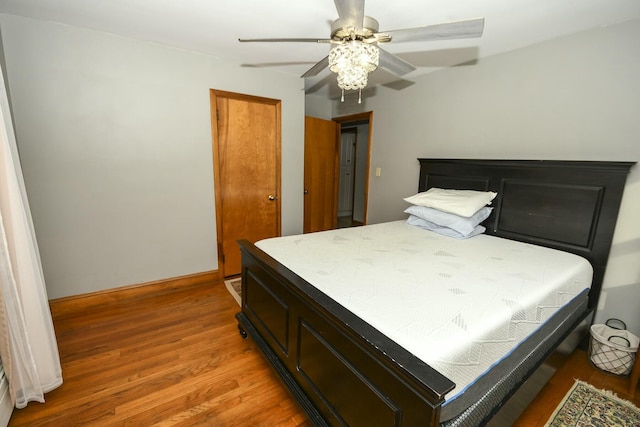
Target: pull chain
x,y
359,96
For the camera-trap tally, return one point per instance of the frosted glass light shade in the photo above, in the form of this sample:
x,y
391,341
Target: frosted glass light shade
x,y
352,61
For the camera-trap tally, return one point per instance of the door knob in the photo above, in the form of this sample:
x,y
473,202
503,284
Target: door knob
x,y
306,191
272,197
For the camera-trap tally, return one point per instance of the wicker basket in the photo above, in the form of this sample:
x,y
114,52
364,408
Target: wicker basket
x,y
613,349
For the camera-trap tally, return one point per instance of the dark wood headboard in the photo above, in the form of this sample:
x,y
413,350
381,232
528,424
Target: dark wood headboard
x,y
566,205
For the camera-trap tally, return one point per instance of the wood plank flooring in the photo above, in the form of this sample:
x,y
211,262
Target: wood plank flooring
x,y
176,358
576,367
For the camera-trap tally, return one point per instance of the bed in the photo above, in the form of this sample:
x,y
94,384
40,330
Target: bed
x,y
342,364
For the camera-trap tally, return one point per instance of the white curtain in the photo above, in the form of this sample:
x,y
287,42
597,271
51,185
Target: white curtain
x,y
28,346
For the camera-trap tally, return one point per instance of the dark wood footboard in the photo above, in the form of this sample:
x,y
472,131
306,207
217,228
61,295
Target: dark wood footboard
x,y
341,370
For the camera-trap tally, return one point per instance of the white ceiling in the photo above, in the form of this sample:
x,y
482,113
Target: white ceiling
x,y
214,26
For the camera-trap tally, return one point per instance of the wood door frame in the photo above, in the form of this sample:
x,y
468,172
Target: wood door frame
x,y
368,115
214,94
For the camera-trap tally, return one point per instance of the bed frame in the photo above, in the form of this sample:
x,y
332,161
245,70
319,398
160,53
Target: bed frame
x,y
343,371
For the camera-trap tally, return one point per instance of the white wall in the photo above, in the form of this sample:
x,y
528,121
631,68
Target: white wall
x,y
115,140
575,98
317,106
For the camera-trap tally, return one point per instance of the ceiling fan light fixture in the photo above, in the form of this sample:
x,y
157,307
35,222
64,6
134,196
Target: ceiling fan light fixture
x,y
352,61
355,40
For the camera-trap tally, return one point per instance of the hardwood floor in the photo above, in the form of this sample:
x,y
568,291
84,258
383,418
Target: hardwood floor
x,y
348,221
171,359
175,358
577,366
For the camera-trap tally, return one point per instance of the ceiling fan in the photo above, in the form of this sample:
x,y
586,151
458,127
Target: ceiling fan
x,y
356,51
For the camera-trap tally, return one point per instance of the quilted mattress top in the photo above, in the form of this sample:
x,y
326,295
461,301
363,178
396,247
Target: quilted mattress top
x,y
458,305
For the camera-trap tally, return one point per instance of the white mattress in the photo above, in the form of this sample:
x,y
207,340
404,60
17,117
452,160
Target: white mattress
x,y
459,305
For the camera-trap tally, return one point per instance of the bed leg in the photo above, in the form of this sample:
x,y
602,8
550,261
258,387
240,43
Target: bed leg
x,y
243,333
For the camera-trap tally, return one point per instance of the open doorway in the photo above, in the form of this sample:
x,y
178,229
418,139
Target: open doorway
x,y
322,146
354,159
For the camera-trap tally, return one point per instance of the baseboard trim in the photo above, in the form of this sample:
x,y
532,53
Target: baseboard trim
x,y
75,303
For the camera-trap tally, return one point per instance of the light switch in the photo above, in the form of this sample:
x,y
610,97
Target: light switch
x,y
378,171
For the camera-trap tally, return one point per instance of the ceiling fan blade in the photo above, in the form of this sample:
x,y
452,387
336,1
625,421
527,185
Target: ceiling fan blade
x,y
394,64
324,63
351,12
286,40
449,30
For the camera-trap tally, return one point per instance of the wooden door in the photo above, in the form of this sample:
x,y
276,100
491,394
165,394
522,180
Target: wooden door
x,y
320,174
246,155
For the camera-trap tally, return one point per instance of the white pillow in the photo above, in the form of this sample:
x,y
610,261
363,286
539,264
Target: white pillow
x,y
461,224
445,231
460,202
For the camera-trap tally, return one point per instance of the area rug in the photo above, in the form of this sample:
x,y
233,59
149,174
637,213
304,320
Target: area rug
x,y
234,286
586,406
